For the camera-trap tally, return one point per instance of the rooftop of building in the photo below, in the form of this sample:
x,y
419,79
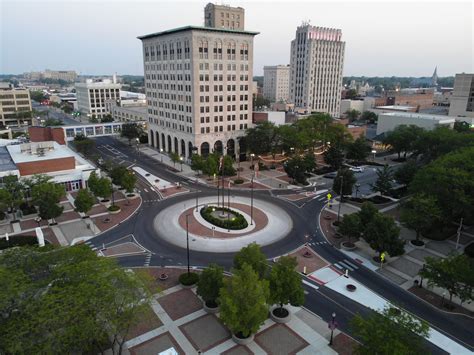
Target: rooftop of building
x,y
40,151
421,116
6,162
196,28
395,107
99,83
138,108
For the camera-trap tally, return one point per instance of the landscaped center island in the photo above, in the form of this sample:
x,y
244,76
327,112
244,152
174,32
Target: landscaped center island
x,y
224,217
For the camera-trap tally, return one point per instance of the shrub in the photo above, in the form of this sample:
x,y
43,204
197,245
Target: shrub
x,y
27,209
2,216
19,240
114,208
188,279
469,250
237,222
238,181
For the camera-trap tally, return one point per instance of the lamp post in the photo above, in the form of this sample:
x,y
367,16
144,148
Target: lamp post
x,y
197,196
357,188
161,155
187,240
181,163
332,326
340,196
251,202
138,145
421,277
442,299
374,152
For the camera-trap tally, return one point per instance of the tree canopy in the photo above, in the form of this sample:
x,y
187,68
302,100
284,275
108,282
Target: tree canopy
x,y
285,282
345,177
84,201
382,234
253,256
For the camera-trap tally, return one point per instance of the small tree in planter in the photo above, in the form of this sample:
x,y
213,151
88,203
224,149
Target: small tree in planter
x,y
46,196
84,201
117,173
285,285
210,283
175,158
128,181
243,302
188,279
351,227
382,234
100,186
367,213
253,256
421,213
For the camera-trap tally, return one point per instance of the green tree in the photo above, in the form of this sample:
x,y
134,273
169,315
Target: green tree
x,y
403,138
16,190
175,158
46,196
100,186
210,283
367,213
453,273
117,173
382,234
228,166
352,115
261,138
37,95
50,122
390,332
5,201
131,131
84,201
243,302
295,168
384,182
351,226
369,116
285,284
405,174
107,118
347,178
84,144
334,156
351,94
128,181
358,150
420,213
259,102
462,126
211,165
66,300
253,256
197,162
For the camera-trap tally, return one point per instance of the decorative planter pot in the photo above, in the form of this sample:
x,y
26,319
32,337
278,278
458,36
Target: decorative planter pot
x,y
115,212
211,310
420,246
132,196
242,341
105,202
163,276
278,319
348,246
187,286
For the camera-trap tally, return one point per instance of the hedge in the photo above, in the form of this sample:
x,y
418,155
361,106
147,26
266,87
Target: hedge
x,y
18,241
235,223
188,279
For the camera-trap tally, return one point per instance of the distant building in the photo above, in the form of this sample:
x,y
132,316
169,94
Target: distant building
x,y
317,60
277,118
462,100
420,98
276,83
65,75
14,101
130,113
199,88
93,95
348,105
388,121
224,16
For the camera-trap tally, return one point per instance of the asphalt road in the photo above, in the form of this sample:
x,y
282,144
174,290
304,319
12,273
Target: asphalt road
x,y
305,217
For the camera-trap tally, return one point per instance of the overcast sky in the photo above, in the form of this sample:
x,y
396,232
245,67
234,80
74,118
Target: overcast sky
x,y
99,36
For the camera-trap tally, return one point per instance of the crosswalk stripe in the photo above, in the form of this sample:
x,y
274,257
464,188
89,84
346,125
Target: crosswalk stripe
x,y
310,284
338,266
346,266
351,264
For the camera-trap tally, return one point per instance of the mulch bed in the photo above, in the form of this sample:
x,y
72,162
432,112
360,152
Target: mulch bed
x,y
436,300
312,263
171,281
344,344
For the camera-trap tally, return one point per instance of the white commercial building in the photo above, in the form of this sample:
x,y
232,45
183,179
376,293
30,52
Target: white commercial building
x,y
93,95
348,105
276,83
462,100
198,83
388,121
317,60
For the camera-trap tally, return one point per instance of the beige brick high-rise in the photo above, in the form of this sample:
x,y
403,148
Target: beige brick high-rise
x,y
224,16
198,86
15,103
276,83
317,60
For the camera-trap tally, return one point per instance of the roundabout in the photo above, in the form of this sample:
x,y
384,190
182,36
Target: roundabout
x,y
264,223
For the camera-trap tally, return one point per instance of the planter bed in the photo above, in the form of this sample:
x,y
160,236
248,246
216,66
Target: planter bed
x,y
280,317
237,222
348,246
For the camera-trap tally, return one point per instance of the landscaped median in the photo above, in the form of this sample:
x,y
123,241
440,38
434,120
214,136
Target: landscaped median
x,y
224,217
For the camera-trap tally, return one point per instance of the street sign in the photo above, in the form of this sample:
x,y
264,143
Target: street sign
x,y
329,196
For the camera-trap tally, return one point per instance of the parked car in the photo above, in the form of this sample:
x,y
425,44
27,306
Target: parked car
x,y
356,169
330,175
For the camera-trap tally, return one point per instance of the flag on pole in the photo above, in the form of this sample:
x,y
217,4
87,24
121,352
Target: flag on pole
x,y
221,163
255,169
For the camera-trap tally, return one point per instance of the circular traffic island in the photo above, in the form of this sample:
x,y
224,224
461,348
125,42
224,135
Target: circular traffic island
x,y
224,217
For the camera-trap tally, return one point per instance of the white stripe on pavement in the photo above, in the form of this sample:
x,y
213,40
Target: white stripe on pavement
x,y
351,264
310,284
346,266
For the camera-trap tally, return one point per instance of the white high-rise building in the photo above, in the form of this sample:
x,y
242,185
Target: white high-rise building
x,y
317,60
276,83
198,83
93,96
462,100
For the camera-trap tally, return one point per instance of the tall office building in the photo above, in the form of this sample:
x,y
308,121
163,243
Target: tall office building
x,y
14,101
317,59
276,83
462,100
198,86
93,96
224,16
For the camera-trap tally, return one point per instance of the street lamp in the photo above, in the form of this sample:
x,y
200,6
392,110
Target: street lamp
x,y
161,152
138,145
374,152
332,326
251,159
442,299
340,195
181,162
251,202
421,276
357,189
187,241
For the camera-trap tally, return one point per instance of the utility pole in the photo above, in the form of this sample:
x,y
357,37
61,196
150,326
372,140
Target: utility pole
x,y
251,201
187,240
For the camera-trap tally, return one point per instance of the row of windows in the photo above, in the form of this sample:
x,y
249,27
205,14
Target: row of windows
x,y
207,119
220,98
172,77
220,66
166,66
221,128
161,50
205,109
